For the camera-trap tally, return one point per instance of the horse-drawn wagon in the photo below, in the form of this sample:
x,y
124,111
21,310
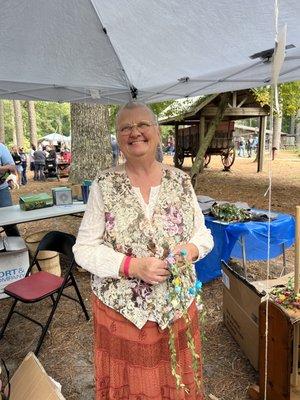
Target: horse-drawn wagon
x,y
222,144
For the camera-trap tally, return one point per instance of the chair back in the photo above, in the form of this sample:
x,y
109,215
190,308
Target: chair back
x,y
60,242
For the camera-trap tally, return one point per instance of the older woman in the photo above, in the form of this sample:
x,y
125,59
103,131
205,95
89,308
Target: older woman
x,y
136,214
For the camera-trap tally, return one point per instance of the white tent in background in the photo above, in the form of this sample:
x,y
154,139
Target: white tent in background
x,y
56,137
110,51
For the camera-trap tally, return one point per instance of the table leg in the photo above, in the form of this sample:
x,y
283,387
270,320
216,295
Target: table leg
x,y
283,259
242,241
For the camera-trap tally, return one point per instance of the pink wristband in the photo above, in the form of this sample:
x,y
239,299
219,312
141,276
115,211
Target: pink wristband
x,y
126,266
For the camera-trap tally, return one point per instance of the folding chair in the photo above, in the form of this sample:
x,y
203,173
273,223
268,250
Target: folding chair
x,y
36,287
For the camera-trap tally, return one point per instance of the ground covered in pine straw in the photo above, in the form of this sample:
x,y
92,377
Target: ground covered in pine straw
x,y
67,351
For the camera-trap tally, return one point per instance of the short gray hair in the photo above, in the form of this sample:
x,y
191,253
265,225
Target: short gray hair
x,y
132,105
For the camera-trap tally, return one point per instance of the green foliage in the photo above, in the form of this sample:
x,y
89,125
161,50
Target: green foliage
x,y
8,123
290,94
113,111
158,108
229,213
286,124
50,117
289,97
286,296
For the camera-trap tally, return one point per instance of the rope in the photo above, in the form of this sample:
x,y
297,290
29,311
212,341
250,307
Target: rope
x,y
274,101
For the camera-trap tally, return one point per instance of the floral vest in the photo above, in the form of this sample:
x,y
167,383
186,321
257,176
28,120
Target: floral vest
x,y
129,231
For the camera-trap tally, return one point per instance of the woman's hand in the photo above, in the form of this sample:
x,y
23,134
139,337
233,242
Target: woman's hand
x,y
150,269
190,248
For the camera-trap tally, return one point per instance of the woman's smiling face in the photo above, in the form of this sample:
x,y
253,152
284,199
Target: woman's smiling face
x,y
138,133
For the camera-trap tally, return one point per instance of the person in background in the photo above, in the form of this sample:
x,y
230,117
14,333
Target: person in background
x,y
7,167
18,163
249,146
137,213
24,165
255,144
52,153
241,145
39,164
31,158
115,150
46,150
159,156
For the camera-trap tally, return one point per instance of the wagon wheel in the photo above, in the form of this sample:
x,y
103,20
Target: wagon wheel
x,y
228,159
178,160
207,159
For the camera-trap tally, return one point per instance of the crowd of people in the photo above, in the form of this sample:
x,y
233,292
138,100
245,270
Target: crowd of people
x,y
36,159
247,147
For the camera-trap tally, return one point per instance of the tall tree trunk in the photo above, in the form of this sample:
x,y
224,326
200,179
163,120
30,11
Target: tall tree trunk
x,y
293,125
32,122
14,134
59,125
2,131
18,123
91,145
277,124
199,161
297,142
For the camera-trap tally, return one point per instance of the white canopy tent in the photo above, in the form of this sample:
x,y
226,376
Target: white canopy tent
x,y
109,51
56,137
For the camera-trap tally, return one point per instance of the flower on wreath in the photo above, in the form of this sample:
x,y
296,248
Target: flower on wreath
x,y
286,296
180,268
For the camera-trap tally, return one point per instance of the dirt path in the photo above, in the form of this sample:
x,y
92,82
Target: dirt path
x,y
67,351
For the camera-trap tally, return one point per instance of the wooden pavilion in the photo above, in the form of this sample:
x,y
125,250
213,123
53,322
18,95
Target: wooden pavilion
x,y
195,116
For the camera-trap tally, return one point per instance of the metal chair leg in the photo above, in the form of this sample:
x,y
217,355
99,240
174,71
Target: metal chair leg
x,y
52,299
46,327
79,297
11,311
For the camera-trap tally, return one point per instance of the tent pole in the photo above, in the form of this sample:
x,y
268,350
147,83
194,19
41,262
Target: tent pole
x,y
295,375
261,143
297,250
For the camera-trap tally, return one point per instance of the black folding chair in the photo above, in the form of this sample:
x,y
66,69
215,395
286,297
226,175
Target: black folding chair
x,y
36,287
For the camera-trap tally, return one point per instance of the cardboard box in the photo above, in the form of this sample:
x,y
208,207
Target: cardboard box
x,y
30,381
76,192
62,196
35,201
14,262
241,300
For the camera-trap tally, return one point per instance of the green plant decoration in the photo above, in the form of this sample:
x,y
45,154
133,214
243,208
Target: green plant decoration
x,y
230,213
181,269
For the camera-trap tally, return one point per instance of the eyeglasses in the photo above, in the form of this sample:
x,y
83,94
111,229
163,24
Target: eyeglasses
x,y
142,127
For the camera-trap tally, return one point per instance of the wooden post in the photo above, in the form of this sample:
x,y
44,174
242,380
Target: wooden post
x,y
202,130
261,143
295,375
297,250
176,146
234,99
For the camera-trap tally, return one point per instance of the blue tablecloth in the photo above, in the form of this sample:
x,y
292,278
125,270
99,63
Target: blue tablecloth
x,y
255,235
